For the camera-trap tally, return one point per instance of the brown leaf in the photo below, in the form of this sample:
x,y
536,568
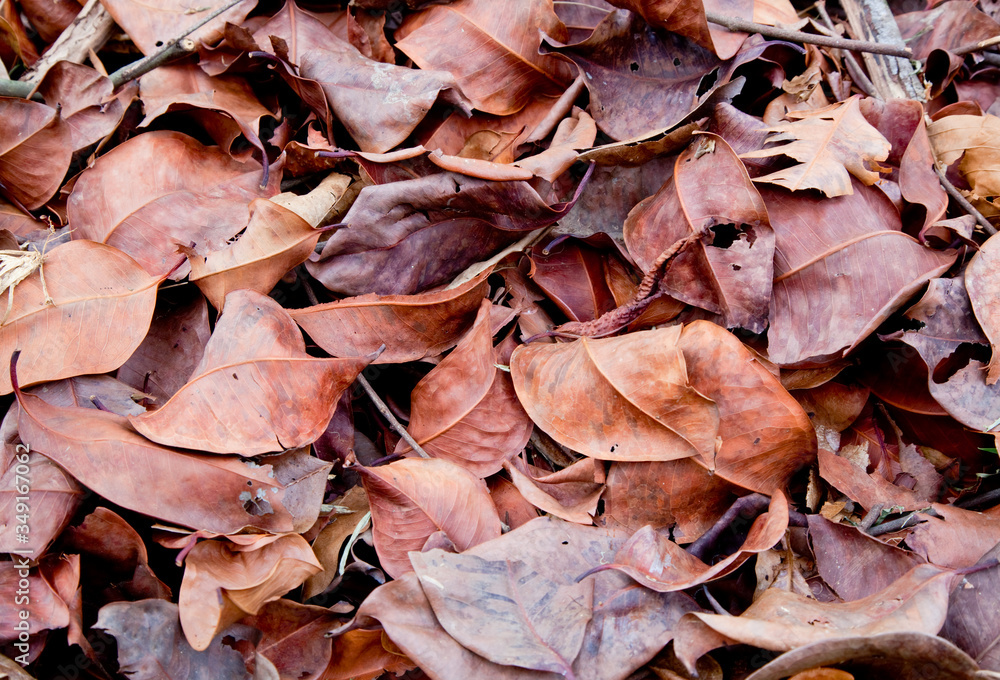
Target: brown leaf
x,y
983,285
224,581
380,104
905,656
410,235
683,18
191,194
101,451
571,135
505,611
410,326
572,275
628,627
294,638
465,410
730,274
829,254
151,644
678,493
88,316
54,495
829,143
973,622
973,140
255,390
958,538
947,343
85,100
151,27
362,655
275,241
661,565
490,49
35,151
46,609
412,498
626,398
854,564
756,452
640,79
781,621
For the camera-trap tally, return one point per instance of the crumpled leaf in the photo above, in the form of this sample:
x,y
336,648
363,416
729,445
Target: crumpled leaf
x,y
505,611
255,390
730,274
465,410
352,508
624,398
491,49
659,564
973,140
151,644
46,608
85,100
413,498
90,314
191,194
223,581
829,143
186,86
780,620
411,327
294,637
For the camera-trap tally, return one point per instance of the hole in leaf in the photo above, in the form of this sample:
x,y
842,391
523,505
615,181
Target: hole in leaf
x,y
959,359
677,61
634,66
736,267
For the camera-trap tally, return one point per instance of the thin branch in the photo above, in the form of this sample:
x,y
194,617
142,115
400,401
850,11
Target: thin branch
x,y
962,201
858,74
178,47
983,500
897,524
976,46
387,414
16,88
737,24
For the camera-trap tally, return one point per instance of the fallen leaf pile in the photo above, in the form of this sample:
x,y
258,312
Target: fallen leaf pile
x,y
526,340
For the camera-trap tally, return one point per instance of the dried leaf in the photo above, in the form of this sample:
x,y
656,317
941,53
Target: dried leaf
x,y
465,410
35,151
87,316
411,327
490,49
412,498
255,390
224,581
829,143
626,398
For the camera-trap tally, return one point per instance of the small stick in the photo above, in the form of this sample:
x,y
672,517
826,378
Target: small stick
x,y
853,67
178,47
962,201
387,414
976,46
896,524
984,500
742,25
